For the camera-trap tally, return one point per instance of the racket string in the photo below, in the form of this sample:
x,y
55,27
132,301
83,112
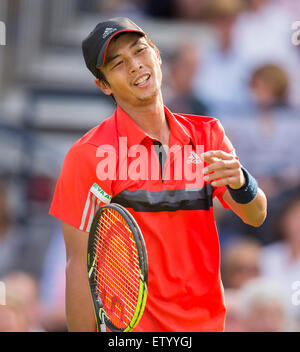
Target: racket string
x,y
131,277
117,275
131,305
104,251
123,281
104,248
124,232
125,297
108,228
104,215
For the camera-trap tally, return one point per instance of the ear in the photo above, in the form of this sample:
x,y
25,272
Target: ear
x,y
104,87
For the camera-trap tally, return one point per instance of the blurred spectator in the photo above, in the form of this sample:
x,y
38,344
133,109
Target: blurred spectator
x,y
159,8
182,65
11,319
261,139
281,259
220,78
245,40
22,295
191,9
179,9
270,87
121,8
233,322
292,6
263,34
52,285
295,76
11,254
240,262
262,307
5,221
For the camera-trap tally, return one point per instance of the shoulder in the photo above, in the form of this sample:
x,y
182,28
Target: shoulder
x,y
207,127
197,122
85,147
207,131
100,134
196,119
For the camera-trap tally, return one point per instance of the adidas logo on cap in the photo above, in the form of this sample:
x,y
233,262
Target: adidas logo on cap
x,y
108,31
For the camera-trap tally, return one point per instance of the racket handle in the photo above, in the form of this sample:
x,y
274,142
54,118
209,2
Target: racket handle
x,y
102,322
102,327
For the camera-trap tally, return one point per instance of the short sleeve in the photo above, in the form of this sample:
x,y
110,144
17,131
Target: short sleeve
x,y
219,141
79,193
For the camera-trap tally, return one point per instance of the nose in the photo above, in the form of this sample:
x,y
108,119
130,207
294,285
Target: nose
x,y
134,65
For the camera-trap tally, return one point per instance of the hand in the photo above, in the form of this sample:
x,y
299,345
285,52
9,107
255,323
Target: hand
x,y
224,169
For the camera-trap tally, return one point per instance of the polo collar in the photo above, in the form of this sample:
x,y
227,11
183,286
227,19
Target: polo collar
x,y
127,127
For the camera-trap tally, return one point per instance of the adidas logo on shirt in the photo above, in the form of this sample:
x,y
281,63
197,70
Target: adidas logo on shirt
x,y
194,159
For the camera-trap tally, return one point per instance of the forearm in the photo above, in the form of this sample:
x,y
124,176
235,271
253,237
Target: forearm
x,y
242,194
79,307
253,213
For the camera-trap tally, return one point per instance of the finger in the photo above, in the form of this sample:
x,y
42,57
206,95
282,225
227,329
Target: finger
x,y
212,160
224,181
208,157
220,154
221,174
222,165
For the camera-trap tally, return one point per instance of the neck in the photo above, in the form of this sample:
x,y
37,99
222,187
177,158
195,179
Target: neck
x,y
150,118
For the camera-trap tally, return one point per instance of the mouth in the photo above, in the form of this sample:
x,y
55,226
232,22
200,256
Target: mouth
x,y
142,80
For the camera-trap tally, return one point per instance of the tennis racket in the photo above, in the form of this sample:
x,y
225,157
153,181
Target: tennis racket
x,y
117,269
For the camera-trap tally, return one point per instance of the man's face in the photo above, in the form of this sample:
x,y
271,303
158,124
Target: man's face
x,y
132,69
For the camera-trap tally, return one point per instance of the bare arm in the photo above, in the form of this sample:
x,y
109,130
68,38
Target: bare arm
x,y
225,169
253,213
79,306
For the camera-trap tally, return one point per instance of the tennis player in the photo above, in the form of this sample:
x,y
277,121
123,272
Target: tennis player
x,y
114,162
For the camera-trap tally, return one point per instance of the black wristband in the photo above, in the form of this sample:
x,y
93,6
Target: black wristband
x,y
246,193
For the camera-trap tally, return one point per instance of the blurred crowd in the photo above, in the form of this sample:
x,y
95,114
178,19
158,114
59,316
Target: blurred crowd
x,y
249,78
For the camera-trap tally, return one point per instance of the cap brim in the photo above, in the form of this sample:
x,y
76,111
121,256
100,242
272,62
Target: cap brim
x,y
103,51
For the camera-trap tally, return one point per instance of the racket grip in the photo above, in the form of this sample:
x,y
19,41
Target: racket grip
x,y
102,324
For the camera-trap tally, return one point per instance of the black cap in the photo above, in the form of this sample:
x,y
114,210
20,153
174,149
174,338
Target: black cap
x,y
95,45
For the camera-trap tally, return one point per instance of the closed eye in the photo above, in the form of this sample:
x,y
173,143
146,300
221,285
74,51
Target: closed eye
x,y
118,64
140,49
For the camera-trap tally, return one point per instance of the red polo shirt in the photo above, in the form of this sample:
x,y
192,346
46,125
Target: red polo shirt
x,y
117,162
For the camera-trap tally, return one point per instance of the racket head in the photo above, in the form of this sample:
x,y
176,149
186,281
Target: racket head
x,y
117,268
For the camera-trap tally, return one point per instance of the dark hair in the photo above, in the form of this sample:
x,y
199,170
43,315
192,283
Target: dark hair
x,y
102,78
275,77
